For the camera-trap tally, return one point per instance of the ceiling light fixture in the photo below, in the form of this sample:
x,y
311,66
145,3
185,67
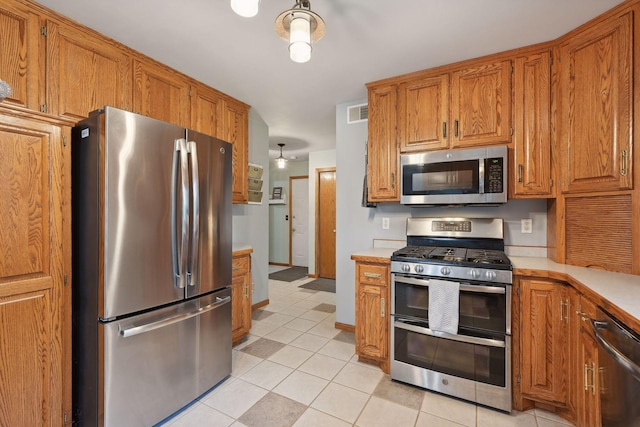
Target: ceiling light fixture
x,y
245,8
281,161
298,25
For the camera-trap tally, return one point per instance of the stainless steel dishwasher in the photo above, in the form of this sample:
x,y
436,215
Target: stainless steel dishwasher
x,y
619,371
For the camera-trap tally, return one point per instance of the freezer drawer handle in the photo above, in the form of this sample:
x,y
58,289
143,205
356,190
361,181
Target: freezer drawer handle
x,y
137,330
460,338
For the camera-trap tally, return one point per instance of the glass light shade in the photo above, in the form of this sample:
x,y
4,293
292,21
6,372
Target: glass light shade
x,y
300,38
245,8
281,161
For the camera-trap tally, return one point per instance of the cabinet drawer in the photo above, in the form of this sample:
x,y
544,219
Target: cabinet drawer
x,y
240,266
373,274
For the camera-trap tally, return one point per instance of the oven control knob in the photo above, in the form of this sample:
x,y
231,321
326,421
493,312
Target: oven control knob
x,y
490,275
406,268
445,271
475,274
419,269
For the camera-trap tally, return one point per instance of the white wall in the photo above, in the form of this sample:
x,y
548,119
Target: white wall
x,y
317,160
250,221
358,226
278,222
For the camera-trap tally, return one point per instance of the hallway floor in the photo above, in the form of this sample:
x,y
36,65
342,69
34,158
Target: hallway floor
x,y
296,369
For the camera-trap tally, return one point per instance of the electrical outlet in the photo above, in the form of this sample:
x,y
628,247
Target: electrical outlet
x,y
385,223
526,226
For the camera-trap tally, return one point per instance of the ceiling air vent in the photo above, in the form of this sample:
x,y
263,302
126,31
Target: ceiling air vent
x,y
357,113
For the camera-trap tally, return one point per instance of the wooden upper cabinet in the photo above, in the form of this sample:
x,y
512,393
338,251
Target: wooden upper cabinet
x,y
34,259
544,329
85,72
161,93
532,136
235,129
481,104
383,159
595,112
423,114
207,107
20,61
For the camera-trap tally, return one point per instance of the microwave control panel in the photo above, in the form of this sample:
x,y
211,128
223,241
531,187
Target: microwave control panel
x,y
493,175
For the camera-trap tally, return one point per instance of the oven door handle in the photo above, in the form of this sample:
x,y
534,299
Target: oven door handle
x,y
463,287
461,338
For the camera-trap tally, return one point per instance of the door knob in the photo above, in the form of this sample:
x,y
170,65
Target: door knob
x,y
293,230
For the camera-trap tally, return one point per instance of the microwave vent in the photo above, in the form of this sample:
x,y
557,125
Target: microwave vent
x,y
357,113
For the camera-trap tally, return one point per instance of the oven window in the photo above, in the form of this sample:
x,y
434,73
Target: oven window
x,y
459,177
471,361
478,310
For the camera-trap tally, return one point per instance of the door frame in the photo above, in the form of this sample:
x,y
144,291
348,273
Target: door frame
x,y
317,217
291,178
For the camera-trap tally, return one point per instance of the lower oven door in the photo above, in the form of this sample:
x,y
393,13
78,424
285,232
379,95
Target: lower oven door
x,y
475,367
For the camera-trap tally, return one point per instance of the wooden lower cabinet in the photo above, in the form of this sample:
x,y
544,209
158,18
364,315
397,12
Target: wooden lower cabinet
x,y
372,313
587,368
241,290
35,271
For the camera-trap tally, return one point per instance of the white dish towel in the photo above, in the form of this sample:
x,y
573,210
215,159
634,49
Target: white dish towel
x,y
444,305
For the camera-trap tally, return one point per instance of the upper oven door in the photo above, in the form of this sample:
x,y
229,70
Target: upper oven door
x,y
481,307
454,177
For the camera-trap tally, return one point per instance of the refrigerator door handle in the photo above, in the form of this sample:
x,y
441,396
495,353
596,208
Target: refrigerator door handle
x,y
141,329
179,249
192,274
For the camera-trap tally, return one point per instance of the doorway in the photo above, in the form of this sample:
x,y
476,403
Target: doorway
x,y
299,214
326,222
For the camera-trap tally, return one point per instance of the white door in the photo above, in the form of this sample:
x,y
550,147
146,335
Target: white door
x,y
300,222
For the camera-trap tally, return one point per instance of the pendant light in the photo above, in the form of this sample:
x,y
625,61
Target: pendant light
x,y
300,27
245,8
281,161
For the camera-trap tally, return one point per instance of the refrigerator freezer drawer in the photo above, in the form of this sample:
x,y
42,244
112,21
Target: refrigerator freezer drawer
x,y
156,363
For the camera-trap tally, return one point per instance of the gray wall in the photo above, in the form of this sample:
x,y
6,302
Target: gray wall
x,y
357,227
250,221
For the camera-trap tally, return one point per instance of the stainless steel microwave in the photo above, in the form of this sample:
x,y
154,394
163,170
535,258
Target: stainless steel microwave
x,y
455,177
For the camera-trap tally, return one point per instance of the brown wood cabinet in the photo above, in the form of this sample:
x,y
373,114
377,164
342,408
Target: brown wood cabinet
x,y
372,313
532,121
21,63
481,104
84,73
596,107
587,379
241,289
382,148
235,128
206,110
544,338
35,264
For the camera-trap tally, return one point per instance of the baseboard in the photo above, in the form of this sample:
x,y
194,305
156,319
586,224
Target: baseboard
x,y
279,263
260,304
312,276
345,327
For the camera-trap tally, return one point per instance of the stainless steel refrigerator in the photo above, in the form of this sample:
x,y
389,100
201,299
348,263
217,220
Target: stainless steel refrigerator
x,y
151,267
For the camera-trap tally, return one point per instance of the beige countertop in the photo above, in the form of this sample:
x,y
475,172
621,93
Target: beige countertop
x,y
619,289
237,247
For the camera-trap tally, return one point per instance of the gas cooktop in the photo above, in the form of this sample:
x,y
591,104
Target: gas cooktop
x,y
478,258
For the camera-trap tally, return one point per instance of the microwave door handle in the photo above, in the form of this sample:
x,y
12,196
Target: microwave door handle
x,y
463,287
192,275
454,337
480,176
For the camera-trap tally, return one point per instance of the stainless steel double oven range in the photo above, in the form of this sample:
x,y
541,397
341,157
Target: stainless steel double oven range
x,y
475,363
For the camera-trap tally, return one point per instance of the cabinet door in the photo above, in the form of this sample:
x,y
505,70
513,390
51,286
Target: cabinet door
x,y
596,79
206,110
240,297
589,402
423,114
235,129
34,260
544,340
532,139
481,105
84,72
20,62
383,159
372,322
160,93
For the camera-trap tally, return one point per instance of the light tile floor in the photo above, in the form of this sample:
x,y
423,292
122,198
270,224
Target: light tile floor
x,y
296,369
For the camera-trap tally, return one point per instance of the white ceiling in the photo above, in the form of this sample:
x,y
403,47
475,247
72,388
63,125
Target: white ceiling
x,y
365,40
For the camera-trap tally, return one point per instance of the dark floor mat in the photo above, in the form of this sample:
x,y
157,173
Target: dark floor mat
x,y
290,274
321,284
